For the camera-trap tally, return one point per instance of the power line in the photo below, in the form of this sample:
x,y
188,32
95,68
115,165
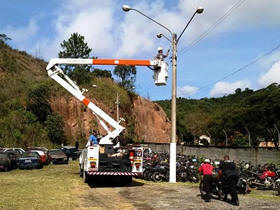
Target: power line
x,y
243,67
212,27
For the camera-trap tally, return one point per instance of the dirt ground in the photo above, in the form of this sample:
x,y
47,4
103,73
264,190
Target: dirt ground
x,y
148,195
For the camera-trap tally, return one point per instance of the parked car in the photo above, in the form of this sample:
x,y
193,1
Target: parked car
x,y
57,156
43,152
13,156
5,162
43,155
18,150
71,152
30,160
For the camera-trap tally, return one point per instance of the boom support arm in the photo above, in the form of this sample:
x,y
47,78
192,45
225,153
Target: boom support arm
x,y
56,73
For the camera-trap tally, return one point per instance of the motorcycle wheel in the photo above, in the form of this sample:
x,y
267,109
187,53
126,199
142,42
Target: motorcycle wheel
x,y
194,178
145,175
157,177
251,181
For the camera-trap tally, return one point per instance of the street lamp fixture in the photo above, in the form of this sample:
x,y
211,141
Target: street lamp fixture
x,y
199,10
174,41
126,8
159,35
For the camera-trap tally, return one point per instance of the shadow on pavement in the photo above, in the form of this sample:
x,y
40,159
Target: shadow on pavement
x,y
112,181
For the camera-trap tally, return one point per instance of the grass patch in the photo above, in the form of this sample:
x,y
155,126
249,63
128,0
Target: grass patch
x,y
264,195
52,187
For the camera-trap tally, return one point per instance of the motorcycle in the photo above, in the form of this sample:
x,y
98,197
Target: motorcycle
x,y
264,181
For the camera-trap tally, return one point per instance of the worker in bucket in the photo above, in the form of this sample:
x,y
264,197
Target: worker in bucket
x,y
92,139
160,56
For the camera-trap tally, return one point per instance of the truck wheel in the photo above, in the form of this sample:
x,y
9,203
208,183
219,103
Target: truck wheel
x,y
85,177
81,172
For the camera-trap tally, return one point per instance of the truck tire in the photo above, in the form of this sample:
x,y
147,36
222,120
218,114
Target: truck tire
x,y
81,172
85,177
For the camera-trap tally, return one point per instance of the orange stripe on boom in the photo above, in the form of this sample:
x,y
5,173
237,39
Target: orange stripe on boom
x,y
121,62
86,101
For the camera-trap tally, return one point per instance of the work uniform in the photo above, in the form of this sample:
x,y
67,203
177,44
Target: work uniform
x,y
207,170
93,139
229,180
160,56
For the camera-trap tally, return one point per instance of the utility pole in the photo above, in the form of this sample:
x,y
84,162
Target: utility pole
x,y
174,41
209,136
226,137
118,103
278,134
248,136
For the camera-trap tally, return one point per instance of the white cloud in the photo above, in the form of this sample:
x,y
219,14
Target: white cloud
x,y
271,76
186,91
23,35
94,20
269,60
112,33
225,88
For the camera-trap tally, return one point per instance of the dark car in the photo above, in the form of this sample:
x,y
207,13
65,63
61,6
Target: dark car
x,y
71,152
5,162
13,156
30,160
57,156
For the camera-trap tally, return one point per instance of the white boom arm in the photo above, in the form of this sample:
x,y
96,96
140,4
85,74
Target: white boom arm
x,y
160,77
71,87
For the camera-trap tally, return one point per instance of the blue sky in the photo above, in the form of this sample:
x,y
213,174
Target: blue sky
x,y
250,30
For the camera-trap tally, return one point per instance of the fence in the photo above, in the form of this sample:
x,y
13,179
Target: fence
x,y
253,154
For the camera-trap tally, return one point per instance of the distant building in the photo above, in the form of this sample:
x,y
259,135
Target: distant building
x,y
203,139
267,144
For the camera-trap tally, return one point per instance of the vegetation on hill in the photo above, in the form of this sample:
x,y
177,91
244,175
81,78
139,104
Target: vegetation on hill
x,y
26,117
235,115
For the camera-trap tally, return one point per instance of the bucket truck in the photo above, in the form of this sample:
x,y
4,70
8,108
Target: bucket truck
x,y
102,159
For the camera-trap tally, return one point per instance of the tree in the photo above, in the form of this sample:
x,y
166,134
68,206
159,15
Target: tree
x,y
37,102
4,38
54,125
101,73
127,74
76,47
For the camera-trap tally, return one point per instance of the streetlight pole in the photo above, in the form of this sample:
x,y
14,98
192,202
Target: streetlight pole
x,y
226,137
174,42
118,103
172,162
249,136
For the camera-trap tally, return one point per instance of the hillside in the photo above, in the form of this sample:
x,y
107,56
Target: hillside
x,y
233,116
34,110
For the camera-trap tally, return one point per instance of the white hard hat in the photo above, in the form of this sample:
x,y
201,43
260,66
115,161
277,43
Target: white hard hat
x,y
160,48
206,160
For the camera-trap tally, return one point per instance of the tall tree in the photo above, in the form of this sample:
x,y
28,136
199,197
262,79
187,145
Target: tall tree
x,y
54,125
76,47
4,38
127,74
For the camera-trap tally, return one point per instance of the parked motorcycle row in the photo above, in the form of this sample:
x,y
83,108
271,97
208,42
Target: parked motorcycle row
x,y
156,168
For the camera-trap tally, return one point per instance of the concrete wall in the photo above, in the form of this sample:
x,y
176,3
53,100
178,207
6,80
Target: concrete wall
x,y
254,155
